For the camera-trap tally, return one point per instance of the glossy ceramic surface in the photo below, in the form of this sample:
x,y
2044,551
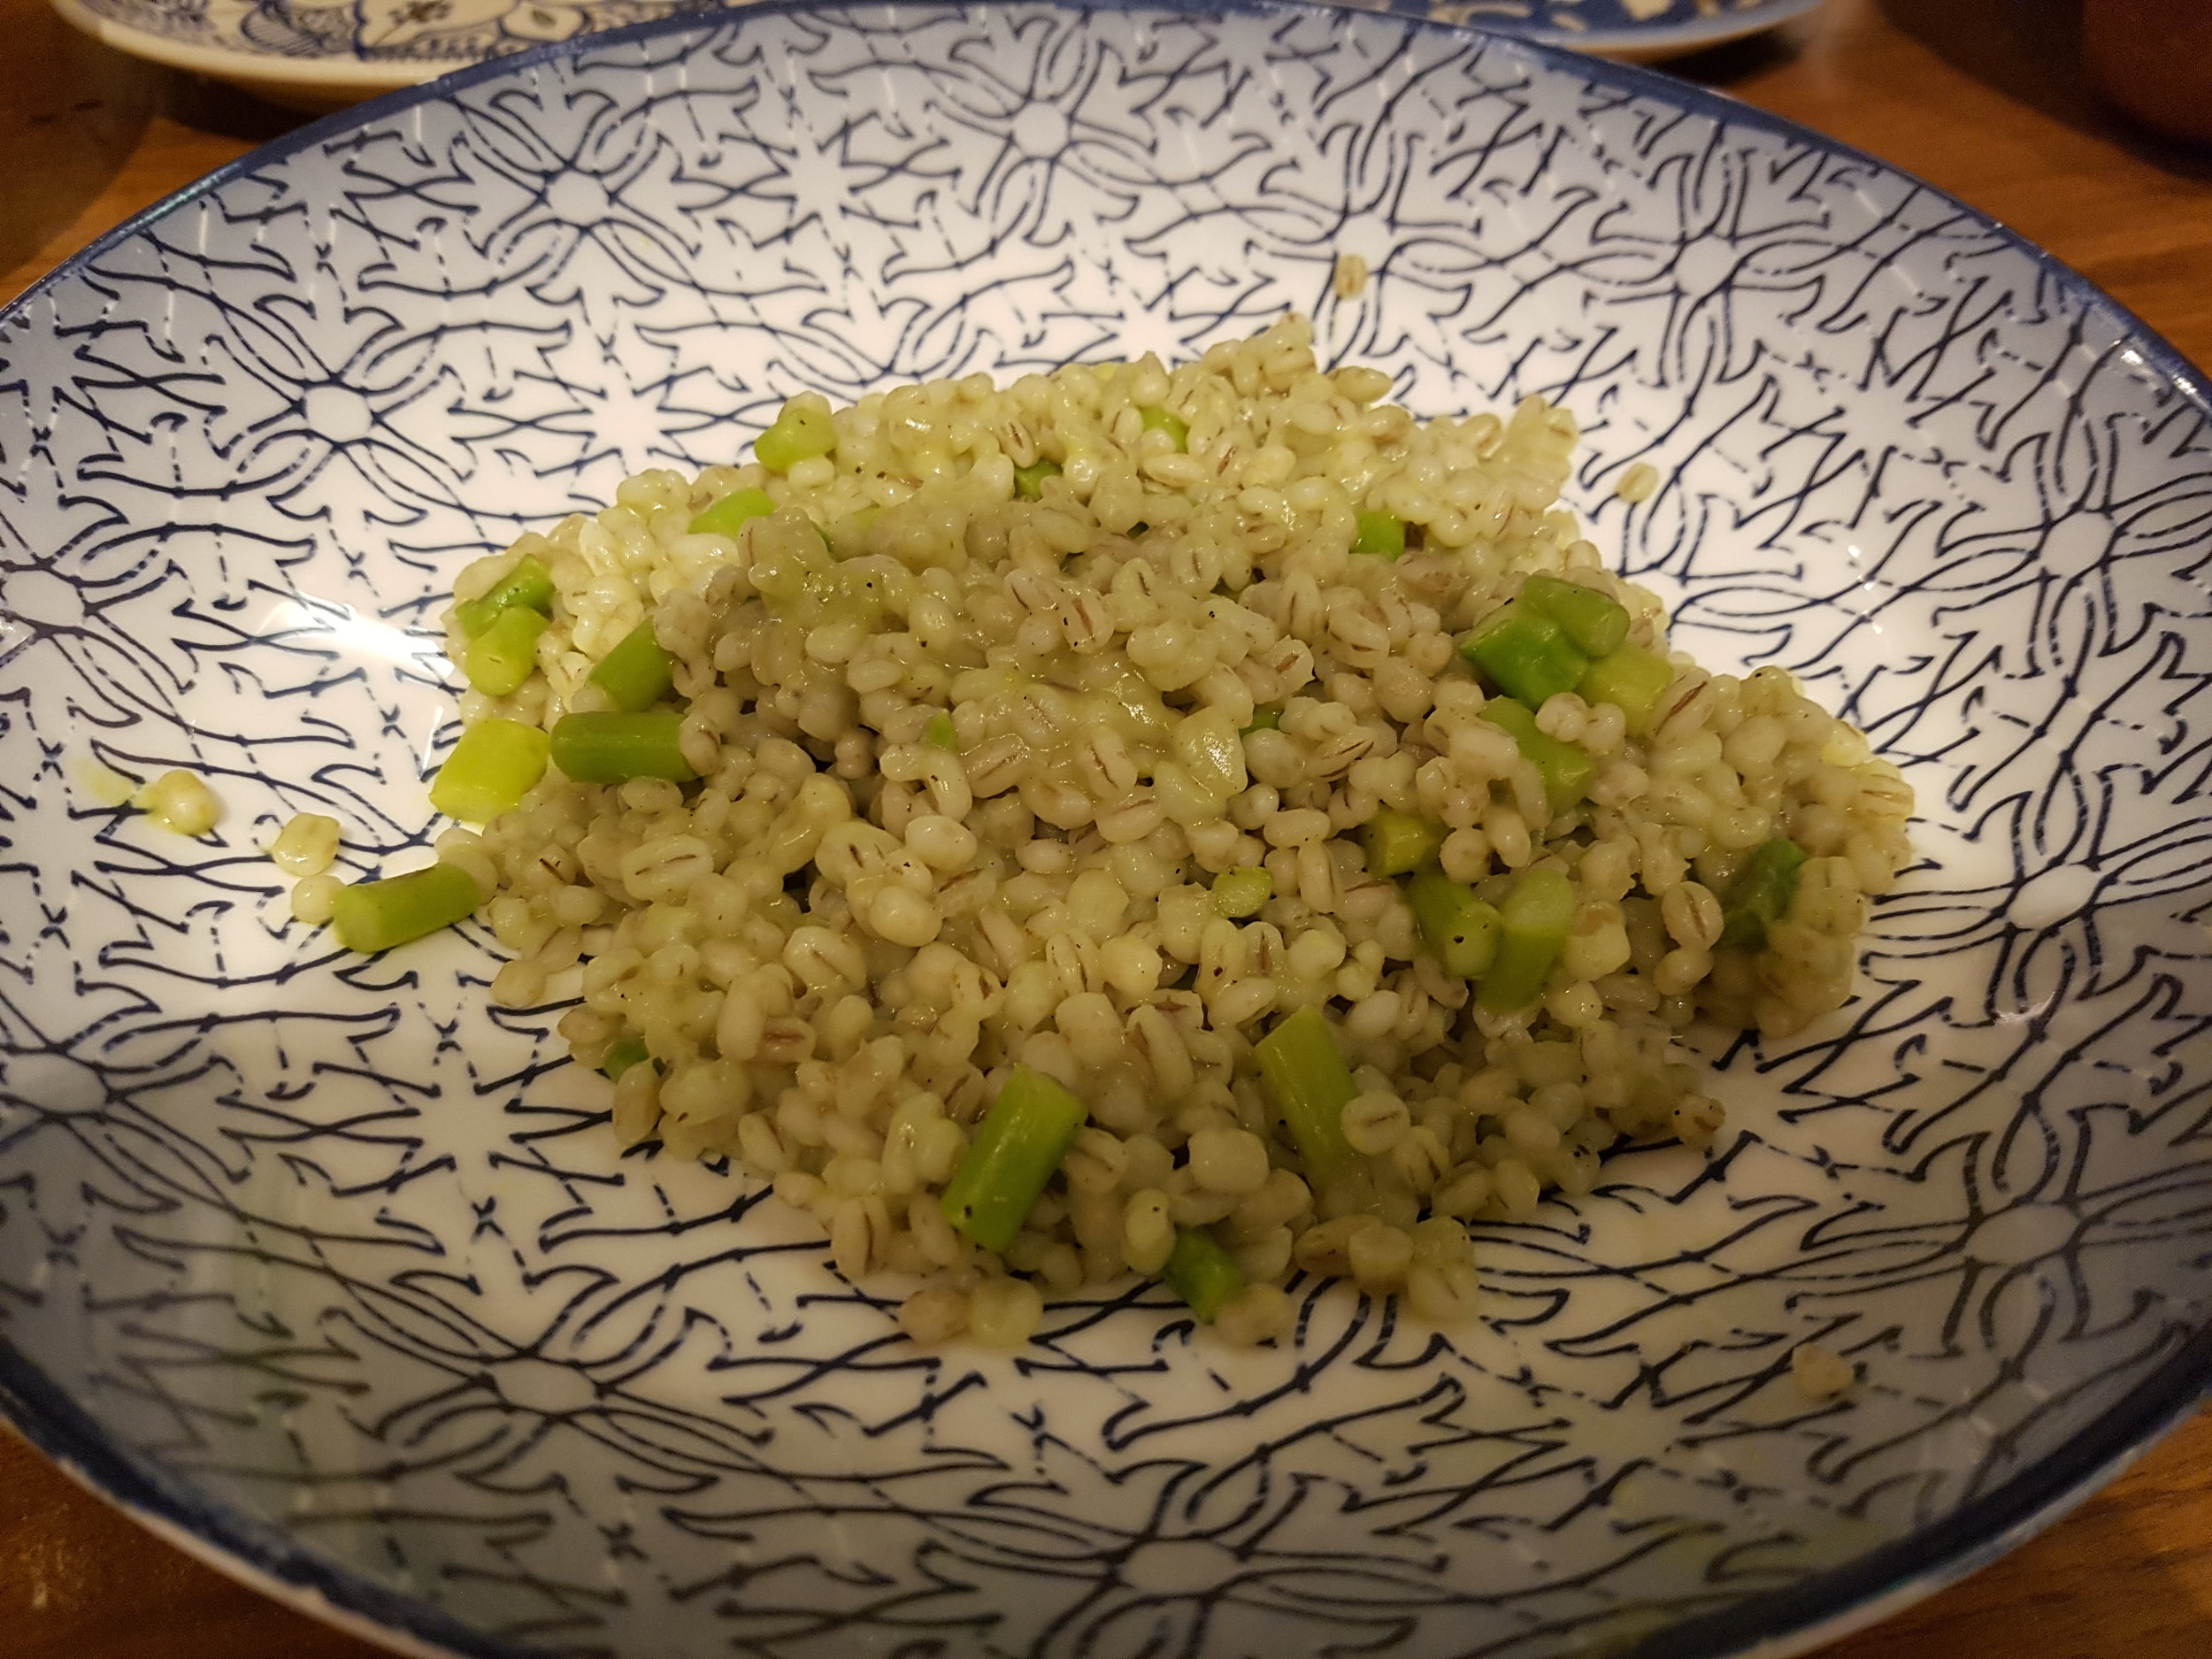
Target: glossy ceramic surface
x,y
331,51
329,1266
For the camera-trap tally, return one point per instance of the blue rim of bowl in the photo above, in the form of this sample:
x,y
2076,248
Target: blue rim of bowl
x,y
1691,35
337,75
1817,1608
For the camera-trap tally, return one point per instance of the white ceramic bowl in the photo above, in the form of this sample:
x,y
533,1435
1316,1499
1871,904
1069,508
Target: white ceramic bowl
x,y
338,1274
323,54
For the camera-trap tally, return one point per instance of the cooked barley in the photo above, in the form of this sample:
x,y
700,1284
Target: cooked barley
x,y
972,758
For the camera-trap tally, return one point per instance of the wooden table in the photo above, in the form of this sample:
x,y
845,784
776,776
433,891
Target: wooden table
x,y
1980,97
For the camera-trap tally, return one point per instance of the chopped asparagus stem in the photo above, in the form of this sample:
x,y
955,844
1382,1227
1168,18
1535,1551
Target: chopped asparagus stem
x,y
602,748
1267,717
1460,928
1632,681
940,732
494,765
1201,1272
1763,893
506,654
1241,892
1158,420
1382,533
1399,842
802,431
1532,931
1019,1145
1305,1073
636,673
1594,621
731,513
529,584
625,1054
1527,654
1029,481
1567,768
373,916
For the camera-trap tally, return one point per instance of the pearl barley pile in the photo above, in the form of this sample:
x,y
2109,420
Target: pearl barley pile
x,y
1249,809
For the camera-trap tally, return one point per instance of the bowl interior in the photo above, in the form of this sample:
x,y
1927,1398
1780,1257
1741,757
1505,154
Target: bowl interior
x,y
352,1259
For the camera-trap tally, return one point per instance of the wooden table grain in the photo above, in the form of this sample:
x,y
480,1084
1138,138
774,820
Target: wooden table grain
x,y
1982,97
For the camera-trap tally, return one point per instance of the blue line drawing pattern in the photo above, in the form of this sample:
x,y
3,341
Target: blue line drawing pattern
x,y
354,1256
439,34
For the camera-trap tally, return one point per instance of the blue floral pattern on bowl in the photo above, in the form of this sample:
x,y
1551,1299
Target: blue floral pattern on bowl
x,y
444,33
328,1263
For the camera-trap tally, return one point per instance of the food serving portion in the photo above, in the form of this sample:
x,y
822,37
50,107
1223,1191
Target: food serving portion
x,y
1204,821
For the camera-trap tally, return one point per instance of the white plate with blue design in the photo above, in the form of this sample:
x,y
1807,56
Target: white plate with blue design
x,y
327,1267
320,54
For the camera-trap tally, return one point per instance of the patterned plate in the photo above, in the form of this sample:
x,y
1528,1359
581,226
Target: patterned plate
x,y
333,1271
322,53
1640,31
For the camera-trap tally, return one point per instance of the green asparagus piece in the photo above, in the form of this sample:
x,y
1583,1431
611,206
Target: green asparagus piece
x,y
1527,654
939,732
1017,1148
802,432
729,515
1201,1272
494,765
529,584
1762,895
636,673
373,916
1632,681
1267,717
1158,419
615,748
1595,623
506,654
1305,1073
623,1054
1532,931
1241,893
1029,481
1379,532
1459,927
1398,842
1567,768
